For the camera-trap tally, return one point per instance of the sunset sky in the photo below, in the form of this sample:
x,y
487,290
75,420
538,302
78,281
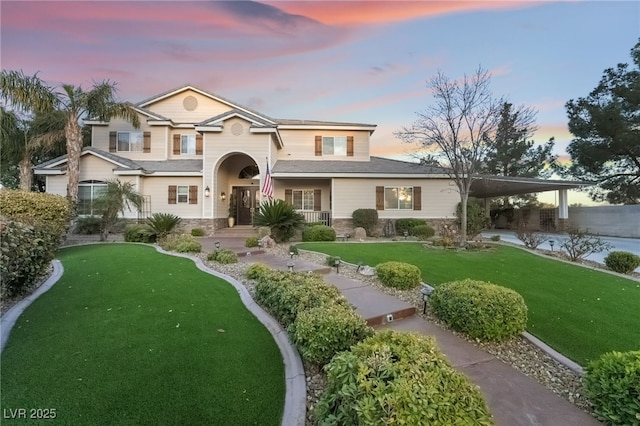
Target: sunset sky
x,y
364,61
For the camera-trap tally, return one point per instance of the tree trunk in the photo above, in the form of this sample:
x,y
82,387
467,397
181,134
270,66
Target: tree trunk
x,y
73,133
25,173
464,198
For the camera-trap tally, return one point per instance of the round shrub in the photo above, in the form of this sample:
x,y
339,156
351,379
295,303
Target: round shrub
x,y
257,271
319,233
408,225
480,309
400,275
612,384
423,232
398,378
320,333
224,256
197,232
495,238
139,233
622,261
367,219
251,242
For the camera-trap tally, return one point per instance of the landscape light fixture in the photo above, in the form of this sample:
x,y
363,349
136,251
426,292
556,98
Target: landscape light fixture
x,y
291,254
551,243
360,265
217,244
207,192
223,196
426,291
336,263
290,266
406,234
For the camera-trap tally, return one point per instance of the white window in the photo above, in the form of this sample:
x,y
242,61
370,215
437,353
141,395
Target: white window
x,y
129,141
302,199
398,198
183,194
187,144
334,145
88,192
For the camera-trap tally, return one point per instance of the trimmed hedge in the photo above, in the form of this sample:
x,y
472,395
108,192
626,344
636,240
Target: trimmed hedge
x,y
224,256
408,225
197,232
622,261
480,309
367,219
400,275
398,378
320,333
424,232
319,233
36,208
612,384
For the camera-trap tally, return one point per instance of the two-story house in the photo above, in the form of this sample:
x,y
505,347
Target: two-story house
x,y
195,152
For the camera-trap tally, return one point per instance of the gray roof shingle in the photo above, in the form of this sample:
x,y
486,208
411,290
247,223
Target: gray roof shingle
x,y
375,165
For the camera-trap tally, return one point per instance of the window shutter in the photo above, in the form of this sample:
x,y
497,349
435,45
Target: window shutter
x,y
288,196
318,146
379,197
317,200
349,146
112,141
193,194
173,194
198,144
176,144
417,198
146,142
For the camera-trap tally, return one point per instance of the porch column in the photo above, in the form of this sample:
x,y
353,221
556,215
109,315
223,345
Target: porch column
x,y
563,205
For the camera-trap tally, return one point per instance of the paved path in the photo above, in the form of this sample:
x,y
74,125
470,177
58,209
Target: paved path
x,y
513,398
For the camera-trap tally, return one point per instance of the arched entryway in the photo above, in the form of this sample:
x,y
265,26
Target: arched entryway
x,y
237,183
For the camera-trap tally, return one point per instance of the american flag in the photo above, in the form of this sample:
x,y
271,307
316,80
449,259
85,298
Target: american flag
x,y
267,185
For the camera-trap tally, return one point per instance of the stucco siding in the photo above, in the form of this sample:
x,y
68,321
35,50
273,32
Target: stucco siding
x,y
94,168
301,184
174,108
57,185
439,197
300,145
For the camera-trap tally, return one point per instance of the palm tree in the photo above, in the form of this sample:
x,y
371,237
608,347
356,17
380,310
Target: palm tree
x,y
31,94
116,197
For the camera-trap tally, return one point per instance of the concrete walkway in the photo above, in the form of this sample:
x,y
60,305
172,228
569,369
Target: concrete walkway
x,y
513,398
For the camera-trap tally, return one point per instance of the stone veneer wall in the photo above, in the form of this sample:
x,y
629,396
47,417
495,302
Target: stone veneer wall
x,y
345,226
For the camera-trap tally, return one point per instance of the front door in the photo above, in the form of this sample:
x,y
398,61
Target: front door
x,y
246,203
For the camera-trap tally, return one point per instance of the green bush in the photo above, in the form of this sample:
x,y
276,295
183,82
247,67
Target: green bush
x,y
480,309
293,249
281,217
400,275
477,219
331,260
286,294
398,378
258,271
183,243
36,207
251,242
139,233
495,238
163,224
224,256
25,253
197,232
367,219
622,261
408,225
423,232
319,333
87,225
612,384
319,233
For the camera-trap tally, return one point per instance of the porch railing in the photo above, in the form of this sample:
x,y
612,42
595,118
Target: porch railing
x,y
317,217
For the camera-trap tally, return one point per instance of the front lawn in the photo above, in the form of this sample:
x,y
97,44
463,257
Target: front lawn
x,y
580,312
132,336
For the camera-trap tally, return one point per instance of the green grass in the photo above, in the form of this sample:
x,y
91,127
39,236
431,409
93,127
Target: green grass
x,y
580,312
132,336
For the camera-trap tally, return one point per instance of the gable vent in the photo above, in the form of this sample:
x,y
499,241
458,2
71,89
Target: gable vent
x,y
190,103
237,129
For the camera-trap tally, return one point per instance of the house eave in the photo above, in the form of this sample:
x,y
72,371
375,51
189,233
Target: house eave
x,y
217,129
370,129
49,172
359,175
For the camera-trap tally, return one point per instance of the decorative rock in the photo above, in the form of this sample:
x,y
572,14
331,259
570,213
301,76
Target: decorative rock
x,y
367,271
359,233
268,242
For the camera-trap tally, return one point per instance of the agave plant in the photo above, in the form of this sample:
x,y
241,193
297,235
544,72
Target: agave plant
x,y
163,223
280,217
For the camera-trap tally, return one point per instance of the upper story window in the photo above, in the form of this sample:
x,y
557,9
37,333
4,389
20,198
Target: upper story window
x,y
334,145
188,144
398,198
337,146
130,141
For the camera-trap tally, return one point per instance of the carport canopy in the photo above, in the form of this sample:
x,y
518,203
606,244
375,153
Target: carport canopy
x,y
499,186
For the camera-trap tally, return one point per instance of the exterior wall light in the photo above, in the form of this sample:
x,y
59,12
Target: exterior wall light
x,y
223,196
207,192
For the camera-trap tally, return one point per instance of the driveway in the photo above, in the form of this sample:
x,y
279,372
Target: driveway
x,y
631,245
